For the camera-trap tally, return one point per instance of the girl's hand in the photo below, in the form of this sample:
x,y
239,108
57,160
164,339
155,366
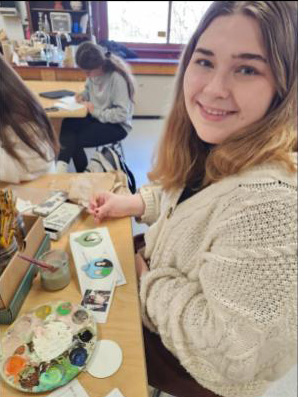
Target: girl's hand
x,y
89,106
111,205
140,265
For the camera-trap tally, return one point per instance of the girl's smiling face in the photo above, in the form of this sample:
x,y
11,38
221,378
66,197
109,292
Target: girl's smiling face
x,y
228,83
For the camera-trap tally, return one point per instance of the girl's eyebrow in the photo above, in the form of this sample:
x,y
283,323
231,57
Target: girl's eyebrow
x,y
245,55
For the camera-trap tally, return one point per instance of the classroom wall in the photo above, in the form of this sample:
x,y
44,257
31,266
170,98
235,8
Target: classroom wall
x,y
153,95
13,25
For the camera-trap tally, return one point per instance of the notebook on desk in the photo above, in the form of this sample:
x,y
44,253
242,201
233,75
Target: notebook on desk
x,y
57,94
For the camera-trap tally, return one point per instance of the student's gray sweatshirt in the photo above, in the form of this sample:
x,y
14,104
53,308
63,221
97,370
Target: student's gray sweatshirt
x,y
110,97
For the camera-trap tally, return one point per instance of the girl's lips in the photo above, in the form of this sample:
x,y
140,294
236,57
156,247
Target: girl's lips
x,y
212,114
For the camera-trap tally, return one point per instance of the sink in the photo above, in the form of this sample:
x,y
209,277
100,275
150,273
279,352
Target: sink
x,y
37,63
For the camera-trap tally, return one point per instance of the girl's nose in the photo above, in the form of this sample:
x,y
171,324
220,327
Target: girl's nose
x,y
218,85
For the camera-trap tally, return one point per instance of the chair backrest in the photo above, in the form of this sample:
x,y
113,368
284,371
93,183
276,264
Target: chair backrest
x,y
108,159
116,146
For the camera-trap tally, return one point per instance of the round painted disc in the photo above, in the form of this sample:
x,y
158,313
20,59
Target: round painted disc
x,y
106,360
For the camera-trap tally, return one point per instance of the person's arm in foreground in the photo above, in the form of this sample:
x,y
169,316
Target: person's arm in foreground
x,y
11,170
226,315
111,205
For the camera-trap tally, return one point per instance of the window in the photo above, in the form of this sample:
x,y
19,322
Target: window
x,y
137,21
155,29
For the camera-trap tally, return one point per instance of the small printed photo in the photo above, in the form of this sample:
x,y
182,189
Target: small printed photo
x,y
96,300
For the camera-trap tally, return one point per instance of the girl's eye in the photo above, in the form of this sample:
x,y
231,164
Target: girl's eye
x,y
204,62
247,71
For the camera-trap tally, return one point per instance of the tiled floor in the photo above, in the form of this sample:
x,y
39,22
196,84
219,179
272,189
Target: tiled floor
x,y
139,147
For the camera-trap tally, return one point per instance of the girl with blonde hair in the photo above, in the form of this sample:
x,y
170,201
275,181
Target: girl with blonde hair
x,y
218,271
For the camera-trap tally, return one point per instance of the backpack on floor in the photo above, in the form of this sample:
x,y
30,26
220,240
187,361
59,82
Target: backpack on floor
x,y
108,159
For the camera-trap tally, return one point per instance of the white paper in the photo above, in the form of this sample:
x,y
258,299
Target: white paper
x,y
85,256
98,269
115,393
72,389
68,103
23,205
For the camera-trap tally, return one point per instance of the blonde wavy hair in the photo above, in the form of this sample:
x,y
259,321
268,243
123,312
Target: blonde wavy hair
x,y
183,158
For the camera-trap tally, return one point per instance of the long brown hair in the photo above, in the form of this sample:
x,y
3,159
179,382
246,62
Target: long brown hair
x,y
91,56
272,138
21,112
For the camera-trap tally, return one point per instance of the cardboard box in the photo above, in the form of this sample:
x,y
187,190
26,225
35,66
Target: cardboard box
x,y
15,281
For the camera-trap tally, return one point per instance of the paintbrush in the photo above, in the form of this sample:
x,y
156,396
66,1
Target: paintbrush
x,y
41,264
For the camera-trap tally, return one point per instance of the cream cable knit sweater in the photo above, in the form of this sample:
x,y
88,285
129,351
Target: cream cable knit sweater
x,y
222,285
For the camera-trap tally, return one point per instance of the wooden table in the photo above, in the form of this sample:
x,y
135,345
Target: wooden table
x,y
124,321
43,86
56,117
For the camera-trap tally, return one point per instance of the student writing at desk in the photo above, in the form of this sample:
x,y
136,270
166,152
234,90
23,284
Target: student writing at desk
x,y
108,97
28,144
218,271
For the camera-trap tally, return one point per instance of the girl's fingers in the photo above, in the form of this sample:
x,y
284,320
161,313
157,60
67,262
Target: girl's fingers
x,y
100,213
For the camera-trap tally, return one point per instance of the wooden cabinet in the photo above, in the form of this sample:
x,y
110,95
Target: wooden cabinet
x,y
80,20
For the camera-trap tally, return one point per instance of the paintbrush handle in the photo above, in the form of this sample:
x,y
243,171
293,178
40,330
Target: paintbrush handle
x,y
38,263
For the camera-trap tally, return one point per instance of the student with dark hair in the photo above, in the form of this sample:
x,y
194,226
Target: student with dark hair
x,y
28,144
108,97
218,273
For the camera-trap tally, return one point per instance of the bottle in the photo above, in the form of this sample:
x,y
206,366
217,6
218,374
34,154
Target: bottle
x,y
27,33
46,25
55,56
40,21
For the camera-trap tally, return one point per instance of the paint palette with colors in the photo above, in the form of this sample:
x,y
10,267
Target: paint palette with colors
x,y
47,347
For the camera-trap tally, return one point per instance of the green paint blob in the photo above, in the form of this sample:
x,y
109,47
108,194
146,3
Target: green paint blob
x,y
64,309
89,239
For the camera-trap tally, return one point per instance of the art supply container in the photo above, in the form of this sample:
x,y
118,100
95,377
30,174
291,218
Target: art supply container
x,y
52,281
20,232
7,253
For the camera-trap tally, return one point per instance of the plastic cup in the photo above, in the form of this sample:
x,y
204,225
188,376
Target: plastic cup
x,y
52,281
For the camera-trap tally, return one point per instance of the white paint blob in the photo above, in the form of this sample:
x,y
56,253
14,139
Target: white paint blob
x,y
51,340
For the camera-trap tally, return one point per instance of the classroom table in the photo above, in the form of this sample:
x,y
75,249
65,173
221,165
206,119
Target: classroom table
x,y
124,321
38,86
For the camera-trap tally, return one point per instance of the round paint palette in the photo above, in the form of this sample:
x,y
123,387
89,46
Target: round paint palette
x,y
47,347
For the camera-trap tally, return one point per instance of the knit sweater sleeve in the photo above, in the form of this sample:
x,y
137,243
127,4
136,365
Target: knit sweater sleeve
x,y
234,316
151,196
121,106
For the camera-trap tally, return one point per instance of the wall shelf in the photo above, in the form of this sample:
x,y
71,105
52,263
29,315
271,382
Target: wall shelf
x,y
34,8
55,10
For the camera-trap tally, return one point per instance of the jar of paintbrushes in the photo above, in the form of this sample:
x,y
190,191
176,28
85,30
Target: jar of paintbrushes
x,y
10,224
6,253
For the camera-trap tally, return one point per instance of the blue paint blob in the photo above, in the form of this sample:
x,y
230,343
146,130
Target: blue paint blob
x,y
78,356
